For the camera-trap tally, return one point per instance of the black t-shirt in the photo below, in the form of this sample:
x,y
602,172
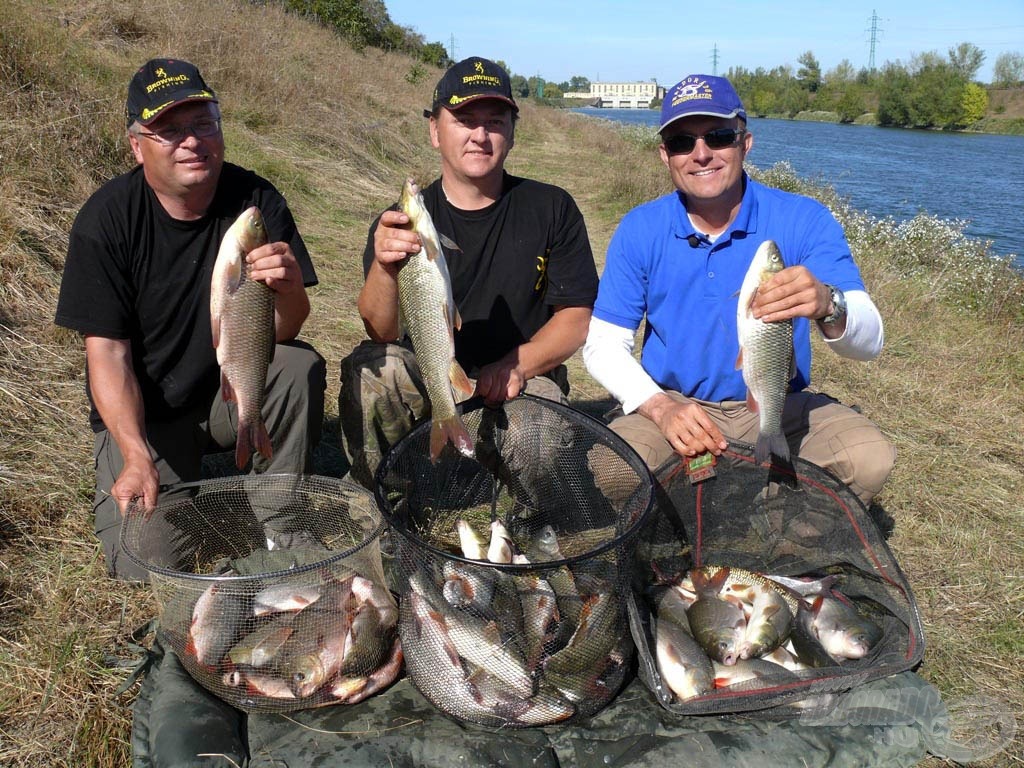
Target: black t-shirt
x,y
133,272
520,257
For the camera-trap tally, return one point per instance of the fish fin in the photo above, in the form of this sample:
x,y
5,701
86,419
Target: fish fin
x,y
450,431
457,319
769,445
226,390
215,328
457,376
751,402
739,360
448,243
432,251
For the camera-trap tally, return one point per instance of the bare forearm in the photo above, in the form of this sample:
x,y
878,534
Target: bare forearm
x,y
115,391
378,304
555,342
290,312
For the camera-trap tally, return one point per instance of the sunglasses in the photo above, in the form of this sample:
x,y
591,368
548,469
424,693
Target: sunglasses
x,y
173,135
720,138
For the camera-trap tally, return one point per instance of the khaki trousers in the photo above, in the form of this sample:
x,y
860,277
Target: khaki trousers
x,y
818,428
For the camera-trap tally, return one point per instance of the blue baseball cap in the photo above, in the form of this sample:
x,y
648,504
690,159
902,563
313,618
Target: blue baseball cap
x,y
701,95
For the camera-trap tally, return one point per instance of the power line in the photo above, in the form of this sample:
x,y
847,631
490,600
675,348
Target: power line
x,y
874,39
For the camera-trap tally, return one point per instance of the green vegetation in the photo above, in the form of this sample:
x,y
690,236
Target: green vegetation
x,y
338,129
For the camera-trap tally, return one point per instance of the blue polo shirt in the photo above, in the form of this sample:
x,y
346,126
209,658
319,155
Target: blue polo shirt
x,y
689,294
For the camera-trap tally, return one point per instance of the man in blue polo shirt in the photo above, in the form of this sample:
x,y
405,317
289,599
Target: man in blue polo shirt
x,y
678,262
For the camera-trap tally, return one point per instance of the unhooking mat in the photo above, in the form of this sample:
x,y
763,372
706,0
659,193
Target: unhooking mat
x,y
895,721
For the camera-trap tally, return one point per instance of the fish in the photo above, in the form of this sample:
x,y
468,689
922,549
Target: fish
x,y
382,676
218,620
430,319
717,624
284,598
500,548
746,670
472,546
261,646
316,651
242,325
682,663
842,631
765,356
768,624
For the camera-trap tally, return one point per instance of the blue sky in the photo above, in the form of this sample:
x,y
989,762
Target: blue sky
x,y
638,40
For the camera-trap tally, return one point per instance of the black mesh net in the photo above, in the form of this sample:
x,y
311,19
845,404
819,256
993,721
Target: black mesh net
x,y
855,621
542,639
271,588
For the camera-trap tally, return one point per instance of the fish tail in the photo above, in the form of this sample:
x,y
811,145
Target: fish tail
x,y
252,436
450,430
771,444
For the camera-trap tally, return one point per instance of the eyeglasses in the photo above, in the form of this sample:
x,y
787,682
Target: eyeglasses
x,y
175,134
720,138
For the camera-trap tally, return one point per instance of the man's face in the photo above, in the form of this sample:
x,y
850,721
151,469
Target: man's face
x,y
474,140
707,175
179,168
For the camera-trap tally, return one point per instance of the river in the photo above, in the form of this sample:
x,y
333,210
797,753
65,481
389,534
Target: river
x,y
976,178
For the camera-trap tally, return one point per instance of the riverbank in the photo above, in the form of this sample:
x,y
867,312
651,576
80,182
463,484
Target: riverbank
x,y
338,131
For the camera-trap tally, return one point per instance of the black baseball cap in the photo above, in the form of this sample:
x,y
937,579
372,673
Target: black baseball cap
x,y
469,80
161,84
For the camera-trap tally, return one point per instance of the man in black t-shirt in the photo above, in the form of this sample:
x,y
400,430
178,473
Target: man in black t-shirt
x,y
523,279
136,285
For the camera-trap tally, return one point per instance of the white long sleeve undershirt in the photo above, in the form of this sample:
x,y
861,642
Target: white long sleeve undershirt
x,y
608,352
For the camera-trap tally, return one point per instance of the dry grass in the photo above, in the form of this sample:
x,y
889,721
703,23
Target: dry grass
x,y
337,131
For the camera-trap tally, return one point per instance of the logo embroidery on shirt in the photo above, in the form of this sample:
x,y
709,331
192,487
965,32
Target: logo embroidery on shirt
x,y
542,272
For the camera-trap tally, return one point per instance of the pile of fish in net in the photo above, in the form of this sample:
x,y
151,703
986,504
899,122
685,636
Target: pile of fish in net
x,y
512,565
534,645
720,626
292,643
271,589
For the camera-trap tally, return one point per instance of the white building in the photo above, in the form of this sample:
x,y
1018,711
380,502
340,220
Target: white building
x,y
636,95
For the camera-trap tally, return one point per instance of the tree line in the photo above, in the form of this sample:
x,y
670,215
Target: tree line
x,y
930,91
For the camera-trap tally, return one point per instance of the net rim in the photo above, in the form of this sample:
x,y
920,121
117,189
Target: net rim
x,y
601,432
170,573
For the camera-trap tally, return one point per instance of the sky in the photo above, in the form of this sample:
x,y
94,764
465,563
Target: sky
x,y
632,40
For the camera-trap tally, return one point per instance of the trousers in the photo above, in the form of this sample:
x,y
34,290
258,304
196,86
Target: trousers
x,y
293,412
818,428
383,396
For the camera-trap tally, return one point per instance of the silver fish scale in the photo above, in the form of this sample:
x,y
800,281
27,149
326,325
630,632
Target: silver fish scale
x,y
422,295
247,330
767,351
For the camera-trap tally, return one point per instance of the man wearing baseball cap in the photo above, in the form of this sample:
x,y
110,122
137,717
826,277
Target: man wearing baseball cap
x,y
523,279
136,285
678,262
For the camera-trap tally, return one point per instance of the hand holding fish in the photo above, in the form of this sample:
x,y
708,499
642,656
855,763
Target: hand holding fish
x,y
791,292
685,425
394,241
275,265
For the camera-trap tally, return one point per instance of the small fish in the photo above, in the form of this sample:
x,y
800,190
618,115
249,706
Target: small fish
x,y
383,676
472,546
283,598
682,663
218,620
765,356
747,670
842,631
261,646
315,652
768,624
242,324
717,624
500,549
430,318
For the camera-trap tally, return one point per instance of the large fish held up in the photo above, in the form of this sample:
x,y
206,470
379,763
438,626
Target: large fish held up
x,y
430,318
242,321
766,356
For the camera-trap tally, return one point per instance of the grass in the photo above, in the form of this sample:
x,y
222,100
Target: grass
x,y
337,131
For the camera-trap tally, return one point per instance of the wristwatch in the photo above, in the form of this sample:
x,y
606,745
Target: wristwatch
x,y
838,312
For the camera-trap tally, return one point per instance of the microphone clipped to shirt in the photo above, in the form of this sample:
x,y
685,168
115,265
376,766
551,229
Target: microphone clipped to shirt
x,y
693,240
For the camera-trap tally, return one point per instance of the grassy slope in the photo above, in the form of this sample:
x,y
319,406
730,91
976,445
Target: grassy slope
x,y
337,131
